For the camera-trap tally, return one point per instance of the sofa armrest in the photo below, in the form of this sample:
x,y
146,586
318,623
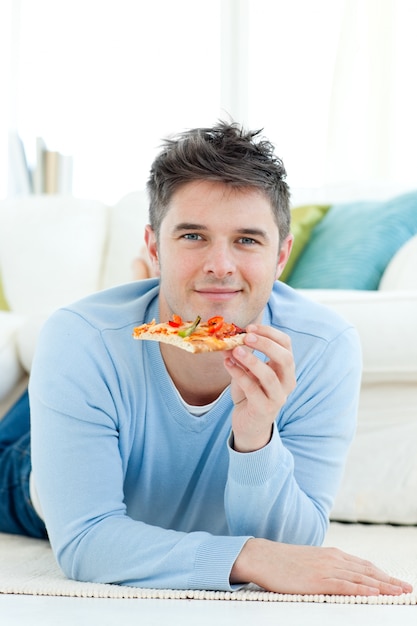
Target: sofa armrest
x,y
387,325
401,271
52,250
11,370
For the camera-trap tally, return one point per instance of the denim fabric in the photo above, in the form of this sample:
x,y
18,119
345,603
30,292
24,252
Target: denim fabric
x,y
17,514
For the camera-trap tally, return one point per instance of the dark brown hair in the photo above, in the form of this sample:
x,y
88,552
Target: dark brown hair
x,y
225,153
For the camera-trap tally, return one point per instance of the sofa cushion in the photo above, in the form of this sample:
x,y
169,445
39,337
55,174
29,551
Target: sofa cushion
x,y
10,367
51,250
126,235
354,242
401,272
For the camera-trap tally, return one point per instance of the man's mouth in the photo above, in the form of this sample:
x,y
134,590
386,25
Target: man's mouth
x,y
220,294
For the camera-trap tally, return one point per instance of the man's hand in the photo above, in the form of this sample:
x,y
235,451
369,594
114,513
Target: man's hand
x,y
259,389
311,570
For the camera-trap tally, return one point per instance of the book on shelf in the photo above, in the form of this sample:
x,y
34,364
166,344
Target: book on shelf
x,y
39,169
51,161
65,174
53,172
20,177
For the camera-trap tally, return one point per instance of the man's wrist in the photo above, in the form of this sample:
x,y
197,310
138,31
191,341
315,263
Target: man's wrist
x,y
240,573
249,562
250,444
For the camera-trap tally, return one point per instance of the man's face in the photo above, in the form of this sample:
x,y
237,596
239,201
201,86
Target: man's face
x,y
218,253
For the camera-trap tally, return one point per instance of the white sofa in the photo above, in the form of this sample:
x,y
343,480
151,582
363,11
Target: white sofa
x,y
54,250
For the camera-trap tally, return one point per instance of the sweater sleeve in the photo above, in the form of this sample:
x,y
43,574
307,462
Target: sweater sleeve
x,y
79,474
285,491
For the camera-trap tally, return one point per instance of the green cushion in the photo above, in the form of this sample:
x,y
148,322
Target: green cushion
x,y
3,302
353,244
303,221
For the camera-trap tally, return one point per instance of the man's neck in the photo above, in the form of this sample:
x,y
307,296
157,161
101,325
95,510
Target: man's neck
x,y
199,378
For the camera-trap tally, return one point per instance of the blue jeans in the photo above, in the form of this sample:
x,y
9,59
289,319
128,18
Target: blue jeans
x,y
17,515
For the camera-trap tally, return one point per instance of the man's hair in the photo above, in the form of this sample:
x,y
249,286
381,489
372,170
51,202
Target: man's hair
x,y
225,153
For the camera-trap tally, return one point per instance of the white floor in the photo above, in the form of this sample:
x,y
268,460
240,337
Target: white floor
x,y
53,611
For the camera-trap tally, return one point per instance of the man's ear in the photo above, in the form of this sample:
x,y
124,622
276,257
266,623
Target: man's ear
x,y
284,254
151,244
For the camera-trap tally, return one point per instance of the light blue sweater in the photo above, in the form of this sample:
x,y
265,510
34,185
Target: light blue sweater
x,y
135,490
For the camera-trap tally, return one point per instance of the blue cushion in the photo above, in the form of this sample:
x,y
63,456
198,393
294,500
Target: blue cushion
x,y
353,244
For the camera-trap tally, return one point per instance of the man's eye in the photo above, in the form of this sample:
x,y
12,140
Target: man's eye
x,y
247,241
192,236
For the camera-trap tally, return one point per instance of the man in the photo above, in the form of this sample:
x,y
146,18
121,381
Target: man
x,y
160,468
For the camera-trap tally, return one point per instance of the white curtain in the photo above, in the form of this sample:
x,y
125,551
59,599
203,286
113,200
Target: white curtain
x,y
332,82
369,134
6,102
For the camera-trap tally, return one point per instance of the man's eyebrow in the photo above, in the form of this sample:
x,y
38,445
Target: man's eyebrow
x,y
189,226
252,232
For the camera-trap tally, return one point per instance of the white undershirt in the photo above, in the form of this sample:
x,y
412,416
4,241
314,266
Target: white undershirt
x,y
197,410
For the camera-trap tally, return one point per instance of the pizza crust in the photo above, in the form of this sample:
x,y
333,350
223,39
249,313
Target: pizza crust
x,y
197,342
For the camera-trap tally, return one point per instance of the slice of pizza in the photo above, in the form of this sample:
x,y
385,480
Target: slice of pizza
x,y
197,336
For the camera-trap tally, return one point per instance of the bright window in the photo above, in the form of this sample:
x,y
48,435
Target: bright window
x,y
330,81
292,56
6,104
106,80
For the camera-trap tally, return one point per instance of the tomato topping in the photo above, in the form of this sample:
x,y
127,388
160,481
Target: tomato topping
x,y
215,323
228,330
176,321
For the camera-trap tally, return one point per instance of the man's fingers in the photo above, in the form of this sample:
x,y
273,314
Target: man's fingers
x,y
367,578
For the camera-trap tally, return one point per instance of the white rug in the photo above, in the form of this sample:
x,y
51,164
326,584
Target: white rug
x,y
27,566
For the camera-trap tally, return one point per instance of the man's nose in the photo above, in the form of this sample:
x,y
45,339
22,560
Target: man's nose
x,y
220,261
